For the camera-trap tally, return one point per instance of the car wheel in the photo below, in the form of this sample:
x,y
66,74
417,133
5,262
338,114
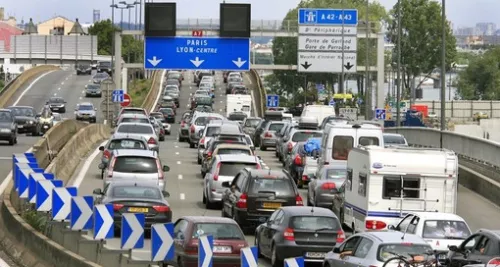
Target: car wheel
x,y
263,148
275,262
204,197
162,138
208,204
15,140
11,141
276,153
191,145
199,161
179,139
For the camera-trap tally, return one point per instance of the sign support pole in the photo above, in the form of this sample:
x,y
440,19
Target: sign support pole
x,y
117,75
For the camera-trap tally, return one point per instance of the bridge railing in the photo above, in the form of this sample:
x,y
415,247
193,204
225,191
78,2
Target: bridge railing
x,y
477,149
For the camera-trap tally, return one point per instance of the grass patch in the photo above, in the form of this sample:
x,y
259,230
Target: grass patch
x,y
36,220
138,90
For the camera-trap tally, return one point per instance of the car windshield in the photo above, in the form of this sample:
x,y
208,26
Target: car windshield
x,y
172,88
167,111
56,100
135,164
105,64
126,144
135,192
302,136
219,231
201,93
394,140
212,131
387,251
101,75
85,107
252,123
93,86
135,120
174,82
135,129
332,174
233,151
445,229
276,127
174,76
282,187
204,108
205,84
203,121
5,116
23,112
232,168
314,223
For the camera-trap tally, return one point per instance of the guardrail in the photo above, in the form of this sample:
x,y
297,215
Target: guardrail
x,y
150,99
262,93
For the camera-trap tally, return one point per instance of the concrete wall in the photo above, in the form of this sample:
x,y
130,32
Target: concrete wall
x,y
464,109
53,44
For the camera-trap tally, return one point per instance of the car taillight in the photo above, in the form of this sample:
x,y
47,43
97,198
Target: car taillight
x,y
202,141
162,208
162,131
328,186
305,178
161,175
151,141
340,236
216,174
106,154
290,147
299,201
288,234
375,225
209,154
192,129
268,135
298,160
117,207
242,201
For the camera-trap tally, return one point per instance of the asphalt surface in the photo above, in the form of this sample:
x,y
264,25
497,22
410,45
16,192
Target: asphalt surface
x,y
184,181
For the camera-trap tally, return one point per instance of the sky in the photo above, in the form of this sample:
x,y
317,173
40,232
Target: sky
x,y
460,12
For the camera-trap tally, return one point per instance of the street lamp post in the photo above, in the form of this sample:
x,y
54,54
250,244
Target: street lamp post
x,y
443,69
398,86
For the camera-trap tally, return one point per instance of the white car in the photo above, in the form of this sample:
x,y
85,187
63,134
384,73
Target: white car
x,y
439,229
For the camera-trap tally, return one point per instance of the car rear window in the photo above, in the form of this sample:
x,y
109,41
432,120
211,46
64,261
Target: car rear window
x,y
135,192
203,121
233,151
302,136
314,223
276,127
212,131
133,111
167,111
135,129
282,187
336,174
135,164
237,117
126,144
394,139
387,251
445,229
135,120
252,123
232,168
219,231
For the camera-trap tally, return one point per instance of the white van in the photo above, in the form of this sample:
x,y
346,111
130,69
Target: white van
x,y
340,138
318,111
384,184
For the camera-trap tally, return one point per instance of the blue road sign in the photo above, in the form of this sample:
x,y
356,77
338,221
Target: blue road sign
x,y
118,96
294,262
44,189
162,242
23,171
22,158
81,213
331,103
33,183
318,16
104,225
380,114
15,169
132,230
174,53
249,257
205,250
273,101
61,202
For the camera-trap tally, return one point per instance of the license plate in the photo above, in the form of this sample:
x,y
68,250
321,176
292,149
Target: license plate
x,y
20,126
55,108
268,205
138,209
222,249
45,127
85,116
315,255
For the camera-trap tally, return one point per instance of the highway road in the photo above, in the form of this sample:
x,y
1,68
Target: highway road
x,y
184,181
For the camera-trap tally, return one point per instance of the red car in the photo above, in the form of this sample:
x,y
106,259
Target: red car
x,y
227,235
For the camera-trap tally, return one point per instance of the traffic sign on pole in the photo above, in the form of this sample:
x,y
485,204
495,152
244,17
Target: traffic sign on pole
x,y
380,114
104,227
249,257
127,100
117,96
61,202
351,113
162,242
294,262
81,213
44,191
205,250
189,53
273,101
33,183
132,230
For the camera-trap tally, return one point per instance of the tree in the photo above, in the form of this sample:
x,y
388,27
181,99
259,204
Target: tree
x,y
421,40
285,48
481,79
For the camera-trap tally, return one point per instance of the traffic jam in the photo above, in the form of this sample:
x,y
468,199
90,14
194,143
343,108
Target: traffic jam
x,y
346,192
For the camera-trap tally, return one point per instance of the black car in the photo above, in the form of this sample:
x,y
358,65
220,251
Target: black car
x,y
8,127
83,69
105,66
478,248
25,119
291,232
57,104
254,195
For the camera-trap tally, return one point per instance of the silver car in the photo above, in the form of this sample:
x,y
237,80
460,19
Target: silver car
x,y
121,141
268,137
223,168
372,249
93,90
198,123
209,132
86,112
135,164
325,185
99,77
159,129
145,130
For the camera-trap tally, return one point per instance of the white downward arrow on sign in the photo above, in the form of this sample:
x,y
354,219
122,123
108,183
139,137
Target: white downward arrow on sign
x,y
239,62
166,242
137,231
208,251
155,61
197,62
107,221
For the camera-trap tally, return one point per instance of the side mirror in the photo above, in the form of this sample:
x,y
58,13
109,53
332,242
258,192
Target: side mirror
x,y
268,222
166,168
259,157
453,248
165,194
336,250
226,184
101,148
391,227
97,191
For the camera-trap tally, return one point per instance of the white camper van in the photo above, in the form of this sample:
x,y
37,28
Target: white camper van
x,y
383,184
318,111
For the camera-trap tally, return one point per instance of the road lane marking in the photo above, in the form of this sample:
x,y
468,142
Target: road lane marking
x,y
29,87
86,165
59,89
182,196
62,83
179,163
80,98
177,153
176,146
180,176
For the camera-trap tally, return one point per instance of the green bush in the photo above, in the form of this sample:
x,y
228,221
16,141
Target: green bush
x,y
38,221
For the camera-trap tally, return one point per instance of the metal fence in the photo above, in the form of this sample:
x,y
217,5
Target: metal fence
x,y
52,44
464,109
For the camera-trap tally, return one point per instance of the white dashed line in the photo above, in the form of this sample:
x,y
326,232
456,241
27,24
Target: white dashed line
x,y
179,163
267,168
221,101
59,89
180,176
220,110
182,196
190,88
80,98
62,83
176,146
55,94
90,81
187,106
67,78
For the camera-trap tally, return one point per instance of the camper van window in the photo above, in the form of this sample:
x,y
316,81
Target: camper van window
x,y
349,180
368,141
341,147
362,185
392,187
